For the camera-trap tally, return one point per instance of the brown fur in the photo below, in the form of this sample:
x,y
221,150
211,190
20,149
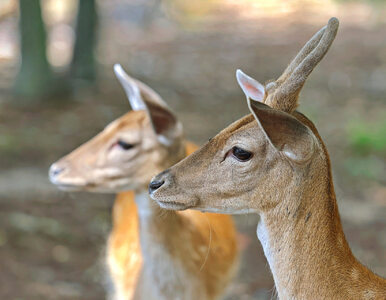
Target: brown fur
x,y
215,231
158,254
289,184
311,258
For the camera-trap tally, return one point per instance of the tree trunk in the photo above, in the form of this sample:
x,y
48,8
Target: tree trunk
x,y
83,61
35,76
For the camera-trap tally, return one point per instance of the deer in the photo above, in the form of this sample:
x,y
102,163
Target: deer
x,y
273,162
151,253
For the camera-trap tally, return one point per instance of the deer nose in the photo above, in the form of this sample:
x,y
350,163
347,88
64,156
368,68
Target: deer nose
x,y
55,170
155,184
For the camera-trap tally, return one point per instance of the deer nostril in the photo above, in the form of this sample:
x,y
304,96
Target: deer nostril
x,y
55,170
155,185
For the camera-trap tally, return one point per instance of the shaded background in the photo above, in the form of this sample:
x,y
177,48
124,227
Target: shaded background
x,y
51,242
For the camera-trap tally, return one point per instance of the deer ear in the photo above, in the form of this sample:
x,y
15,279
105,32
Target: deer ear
x,y
142,97
251,87
164,123
131,88
288,135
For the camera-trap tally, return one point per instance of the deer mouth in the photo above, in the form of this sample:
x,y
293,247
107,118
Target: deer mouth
x,y
68,187
164,191
173,205
70,184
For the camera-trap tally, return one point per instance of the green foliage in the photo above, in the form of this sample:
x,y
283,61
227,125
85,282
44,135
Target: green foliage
x,y
365,138
370,167
367,141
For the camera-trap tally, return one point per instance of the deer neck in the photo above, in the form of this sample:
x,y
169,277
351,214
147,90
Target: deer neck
x,y
147,208
165,244
166,248
156,224
306,248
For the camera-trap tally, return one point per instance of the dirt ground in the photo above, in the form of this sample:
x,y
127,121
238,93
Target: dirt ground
x,y
52,243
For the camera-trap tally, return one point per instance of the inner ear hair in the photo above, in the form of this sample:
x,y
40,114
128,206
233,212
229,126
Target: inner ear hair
x,y
284,132
162,119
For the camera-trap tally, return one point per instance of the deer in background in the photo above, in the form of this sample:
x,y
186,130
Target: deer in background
x,y
151,253
274,162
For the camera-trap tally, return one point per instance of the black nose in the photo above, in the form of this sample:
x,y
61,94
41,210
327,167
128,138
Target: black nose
x,y
155,184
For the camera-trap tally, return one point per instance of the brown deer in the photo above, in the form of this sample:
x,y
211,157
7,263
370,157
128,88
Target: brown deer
x,y
151,253
274,162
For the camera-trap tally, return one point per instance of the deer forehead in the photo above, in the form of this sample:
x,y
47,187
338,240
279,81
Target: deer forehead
x,y
229,132
133,119
133,127
242,132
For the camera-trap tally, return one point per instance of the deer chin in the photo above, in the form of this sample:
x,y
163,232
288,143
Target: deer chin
x,y
174,202
78,184
171,205
227,210
69,184
68,187
87,187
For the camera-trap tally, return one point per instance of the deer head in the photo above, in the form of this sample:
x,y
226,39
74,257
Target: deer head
x,y
129,151
264,156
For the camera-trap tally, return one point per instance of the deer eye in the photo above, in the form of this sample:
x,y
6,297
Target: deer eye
x,y
124,145
241,154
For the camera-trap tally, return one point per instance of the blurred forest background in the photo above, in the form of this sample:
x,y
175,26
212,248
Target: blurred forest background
x,y
63,92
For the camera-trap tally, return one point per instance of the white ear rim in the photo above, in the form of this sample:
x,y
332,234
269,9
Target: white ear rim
x,y
164,140
244,79
131,88
168,141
